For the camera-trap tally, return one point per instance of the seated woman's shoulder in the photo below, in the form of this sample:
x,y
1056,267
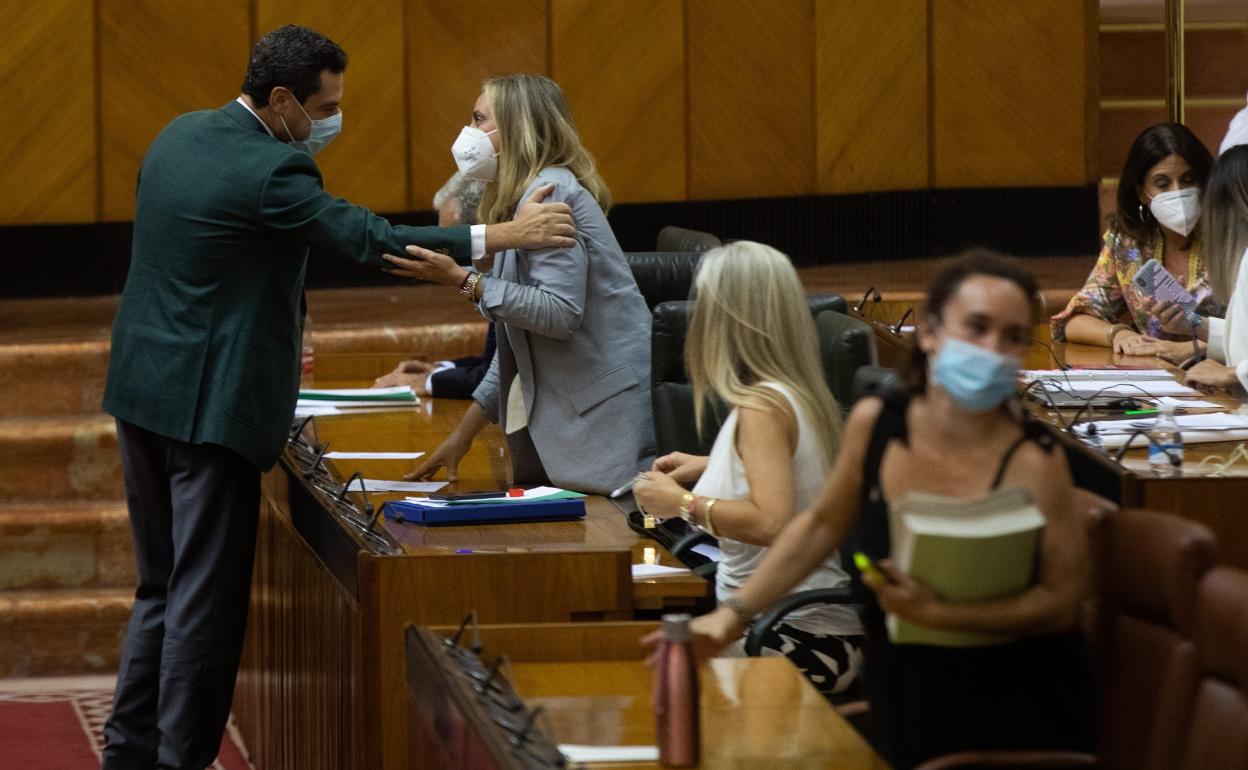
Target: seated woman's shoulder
x,y
562,178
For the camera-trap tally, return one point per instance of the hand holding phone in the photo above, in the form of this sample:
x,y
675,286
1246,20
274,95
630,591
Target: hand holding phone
x,y
1155,281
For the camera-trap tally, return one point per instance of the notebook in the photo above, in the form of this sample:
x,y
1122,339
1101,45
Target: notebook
x,y
432,515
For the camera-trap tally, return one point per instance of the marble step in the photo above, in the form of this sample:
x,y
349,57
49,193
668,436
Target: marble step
x,y
66,377
59,458
65,631
68,545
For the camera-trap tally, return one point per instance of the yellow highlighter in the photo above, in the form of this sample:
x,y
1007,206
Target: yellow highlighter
x,y
870,572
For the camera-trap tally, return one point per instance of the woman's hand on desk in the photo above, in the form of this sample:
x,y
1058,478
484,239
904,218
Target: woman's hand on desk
x,y
681,467
1211,375
446,456
1130,344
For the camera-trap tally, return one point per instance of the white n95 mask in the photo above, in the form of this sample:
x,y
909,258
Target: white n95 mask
x,y
474,154
1177,210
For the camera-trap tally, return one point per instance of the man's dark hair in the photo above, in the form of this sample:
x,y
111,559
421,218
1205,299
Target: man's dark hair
x,y
293,57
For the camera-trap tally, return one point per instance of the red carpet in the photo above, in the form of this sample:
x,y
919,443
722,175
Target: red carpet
x,y
57,724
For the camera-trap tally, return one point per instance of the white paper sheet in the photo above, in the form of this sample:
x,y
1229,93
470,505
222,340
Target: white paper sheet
x,y
1188,403
576,753
656,570
383,485
1108,375
374,455
307,393
709,551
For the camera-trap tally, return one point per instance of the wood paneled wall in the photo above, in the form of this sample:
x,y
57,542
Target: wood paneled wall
x,y
678,99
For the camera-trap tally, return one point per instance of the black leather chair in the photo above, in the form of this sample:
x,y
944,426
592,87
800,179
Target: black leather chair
x,y
846,344
663,276
674,430
672,238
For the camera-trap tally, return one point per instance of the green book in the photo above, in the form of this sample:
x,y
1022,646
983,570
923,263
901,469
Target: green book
x,y
967,551
401,393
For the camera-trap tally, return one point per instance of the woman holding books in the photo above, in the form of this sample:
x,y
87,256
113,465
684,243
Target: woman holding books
x,y
752,344
957,435
570,378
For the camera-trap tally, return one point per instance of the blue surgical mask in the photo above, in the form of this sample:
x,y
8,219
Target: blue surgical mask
x,y
323,131
977,378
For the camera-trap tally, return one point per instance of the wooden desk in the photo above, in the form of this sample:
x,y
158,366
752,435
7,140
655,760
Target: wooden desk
x,y
755,713
321,684
1215,502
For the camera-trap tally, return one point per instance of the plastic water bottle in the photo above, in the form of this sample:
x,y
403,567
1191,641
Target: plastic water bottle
x,y
676,695
1165,444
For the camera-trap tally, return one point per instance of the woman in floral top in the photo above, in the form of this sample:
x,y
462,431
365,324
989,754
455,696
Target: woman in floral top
x,y
1158,206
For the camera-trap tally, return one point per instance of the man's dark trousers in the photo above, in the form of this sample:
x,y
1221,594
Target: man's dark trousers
x,y
193,512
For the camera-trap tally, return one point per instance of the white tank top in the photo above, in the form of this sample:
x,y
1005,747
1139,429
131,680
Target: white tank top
x,y
724,478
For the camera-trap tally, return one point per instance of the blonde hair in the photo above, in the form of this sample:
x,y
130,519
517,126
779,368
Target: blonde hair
x,y
1225,225
751,324
536,131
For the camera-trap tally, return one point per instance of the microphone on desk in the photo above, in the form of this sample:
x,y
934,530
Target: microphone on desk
x,y
897,327
871,293
316,462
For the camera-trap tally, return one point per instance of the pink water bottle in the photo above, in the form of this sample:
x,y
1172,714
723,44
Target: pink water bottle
x,y
676,695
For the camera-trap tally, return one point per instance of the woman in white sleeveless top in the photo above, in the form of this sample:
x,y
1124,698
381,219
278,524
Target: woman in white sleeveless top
x,y
752,343
1225,221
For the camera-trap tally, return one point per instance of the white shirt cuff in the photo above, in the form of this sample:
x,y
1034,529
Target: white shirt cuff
x,y
477,233
1216,338
1241,371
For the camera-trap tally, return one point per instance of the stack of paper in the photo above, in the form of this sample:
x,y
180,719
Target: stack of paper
x,y
321,403
1196,429
366,396
1090,375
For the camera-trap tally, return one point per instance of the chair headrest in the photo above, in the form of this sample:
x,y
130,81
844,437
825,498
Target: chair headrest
x,y
671,322
1151,565
663,276
1222,625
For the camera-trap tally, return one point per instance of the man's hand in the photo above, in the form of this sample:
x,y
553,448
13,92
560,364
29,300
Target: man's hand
x,y
415,381
1210,375
426,265
537,226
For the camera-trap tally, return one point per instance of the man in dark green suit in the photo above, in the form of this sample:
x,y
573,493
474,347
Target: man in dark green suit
x,y
203,374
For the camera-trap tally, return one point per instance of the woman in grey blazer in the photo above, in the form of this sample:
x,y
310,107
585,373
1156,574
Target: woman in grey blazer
x,y
570,380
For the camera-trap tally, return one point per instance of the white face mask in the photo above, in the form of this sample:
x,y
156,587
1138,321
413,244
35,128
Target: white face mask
x,y
474,154
323,131
1177,210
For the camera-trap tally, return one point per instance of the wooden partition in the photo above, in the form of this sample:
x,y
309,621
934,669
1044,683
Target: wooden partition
x,y
679,99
